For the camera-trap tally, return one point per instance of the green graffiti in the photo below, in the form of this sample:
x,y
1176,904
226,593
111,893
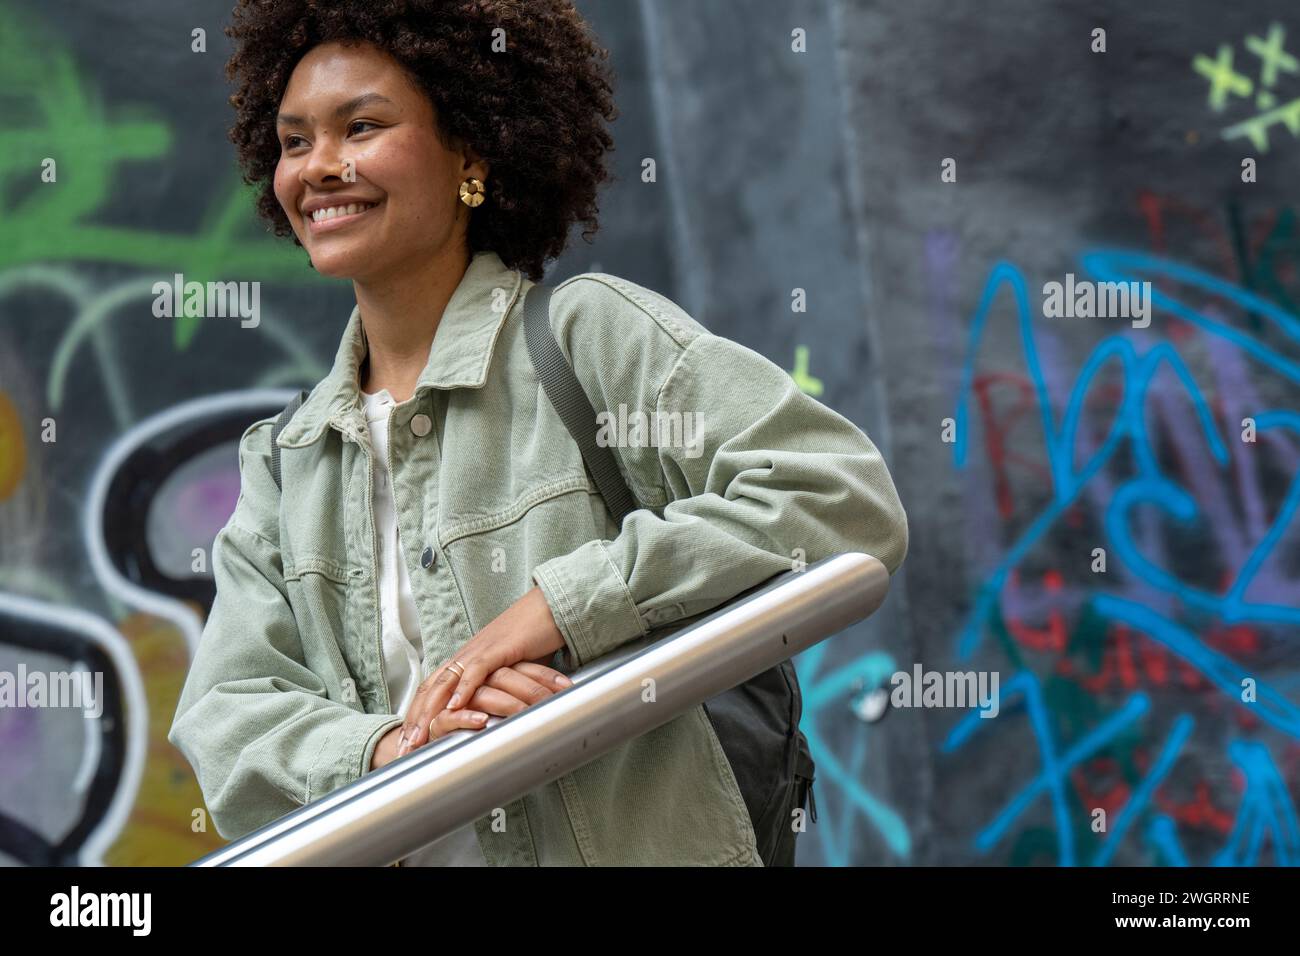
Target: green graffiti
x,y
54,116
808,384
1223,78
1272,55
1036,846
1225,81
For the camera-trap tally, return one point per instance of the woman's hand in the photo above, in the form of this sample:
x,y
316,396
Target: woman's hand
x,y
507,691
513,643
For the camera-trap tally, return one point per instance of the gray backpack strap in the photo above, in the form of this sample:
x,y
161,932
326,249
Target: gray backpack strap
x,y
283,420
570,401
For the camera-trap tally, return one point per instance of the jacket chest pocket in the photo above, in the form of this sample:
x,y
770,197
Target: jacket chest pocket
x,y
493,556
327,600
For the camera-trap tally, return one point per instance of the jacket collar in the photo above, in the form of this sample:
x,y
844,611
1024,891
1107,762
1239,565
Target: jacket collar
x,y
459,357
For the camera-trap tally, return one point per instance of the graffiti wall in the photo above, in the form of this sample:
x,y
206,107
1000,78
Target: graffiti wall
x,y
1103,499
119,427
117,430
1049,262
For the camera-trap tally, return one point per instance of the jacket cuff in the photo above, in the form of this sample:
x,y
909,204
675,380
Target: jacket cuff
x,y
590,602
346,755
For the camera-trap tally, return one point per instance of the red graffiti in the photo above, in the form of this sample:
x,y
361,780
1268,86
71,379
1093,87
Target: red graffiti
x,y
1197,812
1049,638
997,428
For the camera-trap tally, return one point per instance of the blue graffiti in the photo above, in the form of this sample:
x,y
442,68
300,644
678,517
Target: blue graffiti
x,y
1162,837
1052,779
1182,729
828,692
1266,806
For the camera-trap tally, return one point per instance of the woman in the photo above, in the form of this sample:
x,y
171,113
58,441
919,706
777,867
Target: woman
x,y
438,543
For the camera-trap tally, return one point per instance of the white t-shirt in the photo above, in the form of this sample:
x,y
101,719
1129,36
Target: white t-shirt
x,y
403,650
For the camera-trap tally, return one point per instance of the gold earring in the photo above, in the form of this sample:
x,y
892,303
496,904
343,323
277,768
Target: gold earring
x,y
471,192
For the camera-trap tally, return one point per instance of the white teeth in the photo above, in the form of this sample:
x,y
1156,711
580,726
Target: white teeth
x,y
330,212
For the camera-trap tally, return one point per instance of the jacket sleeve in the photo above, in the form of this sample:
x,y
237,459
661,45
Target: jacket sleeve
x,y
773,476
254,722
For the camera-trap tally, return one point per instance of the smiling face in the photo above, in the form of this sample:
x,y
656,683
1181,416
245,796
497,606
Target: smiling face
x,y
350,110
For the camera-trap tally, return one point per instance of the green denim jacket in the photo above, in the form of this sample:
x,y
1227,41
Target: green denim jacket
x,y
286,698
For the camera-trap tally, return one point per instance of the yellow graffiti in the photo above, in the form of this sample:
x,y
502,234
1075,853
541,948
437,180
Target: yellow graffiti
x,y
13,450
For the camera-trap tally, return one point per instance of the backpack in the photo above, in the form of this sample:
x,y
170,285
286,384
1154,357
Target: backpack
x,y
757,722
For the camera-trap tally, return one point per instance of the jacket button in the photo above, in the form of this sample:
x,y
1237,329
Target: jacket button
x,y
428,559
421,425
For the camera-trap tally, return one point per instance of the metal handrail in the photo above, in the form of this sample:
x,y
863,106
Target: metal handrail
x,y
391,812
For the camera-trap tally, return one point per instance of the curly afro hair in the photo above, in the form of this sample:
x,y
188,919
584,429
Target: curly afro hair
x,y
535,112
